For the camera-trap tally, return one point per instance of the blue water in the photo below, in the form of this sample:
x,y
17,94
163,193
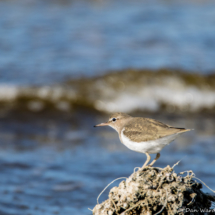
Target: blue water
x,y
56,162
59,165
42,42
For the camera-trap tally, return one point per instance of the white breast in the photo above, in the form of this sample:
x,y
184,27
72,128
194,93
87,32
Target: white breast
x,y
151,147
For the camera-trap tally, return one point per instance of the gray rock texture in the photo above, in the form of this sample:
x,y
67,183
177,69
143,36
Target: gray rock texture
x,y
157,191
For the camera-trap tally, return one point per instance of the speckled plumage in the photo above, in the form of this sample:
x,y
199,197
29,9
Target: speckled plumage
x,y
144,129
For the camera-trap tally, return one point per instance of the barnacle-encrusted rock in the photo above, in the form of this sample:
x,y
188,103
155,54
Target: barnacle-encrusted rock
x,y
157,191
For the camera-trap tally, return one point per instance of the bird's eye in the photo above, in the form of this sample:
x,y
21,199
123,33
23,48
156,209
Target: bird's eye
x,y
114,119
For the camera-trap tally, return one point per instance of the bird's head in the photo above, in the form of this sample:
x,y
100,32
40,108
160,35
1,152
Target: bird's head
x,y
116,121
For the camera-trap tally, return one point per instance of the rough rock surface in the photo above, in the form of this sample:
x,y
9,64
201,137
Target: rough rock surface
x,y
157,191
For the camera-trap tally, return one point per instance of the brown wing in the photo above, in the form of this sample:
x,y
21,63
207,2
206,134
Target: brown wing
x,y
143,129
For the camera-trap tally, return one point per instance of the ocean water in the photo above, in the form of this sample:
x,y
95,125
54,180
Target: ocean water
x,y
60,164
43,42
66,65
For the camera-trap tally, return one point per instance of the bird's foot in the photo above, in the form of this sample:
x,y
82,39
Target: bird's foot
x,y
143,167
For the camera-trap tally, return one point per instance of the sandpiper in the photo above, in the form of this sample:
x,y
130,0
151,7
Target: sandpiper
x,y
143,135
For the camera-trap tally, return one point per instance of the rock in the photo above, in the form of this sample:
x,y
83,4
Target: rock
x,y
157,191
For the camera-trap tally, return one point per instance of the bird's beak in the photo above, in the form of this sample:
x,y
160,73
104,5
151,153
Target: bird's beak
x,y
102,124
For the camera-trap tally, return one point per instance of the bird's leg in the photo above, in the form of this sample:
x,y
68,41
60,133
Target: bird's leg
x,y
157,156
147,160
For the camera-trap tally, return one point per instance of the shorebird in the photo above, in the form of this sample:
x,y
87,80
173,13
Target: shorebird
x,y
143,135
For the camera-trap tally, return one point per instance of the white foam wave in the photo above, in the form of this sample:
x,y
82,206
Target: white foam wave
x,y
8,92
150,98
170,91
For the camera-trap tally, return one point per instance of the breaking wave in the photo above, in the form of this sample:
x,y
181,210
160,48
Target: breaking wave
x,y
125,91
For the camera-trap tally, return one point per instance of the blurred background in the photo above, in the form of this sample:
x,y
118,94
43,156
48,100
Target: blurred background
x,y
66,65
